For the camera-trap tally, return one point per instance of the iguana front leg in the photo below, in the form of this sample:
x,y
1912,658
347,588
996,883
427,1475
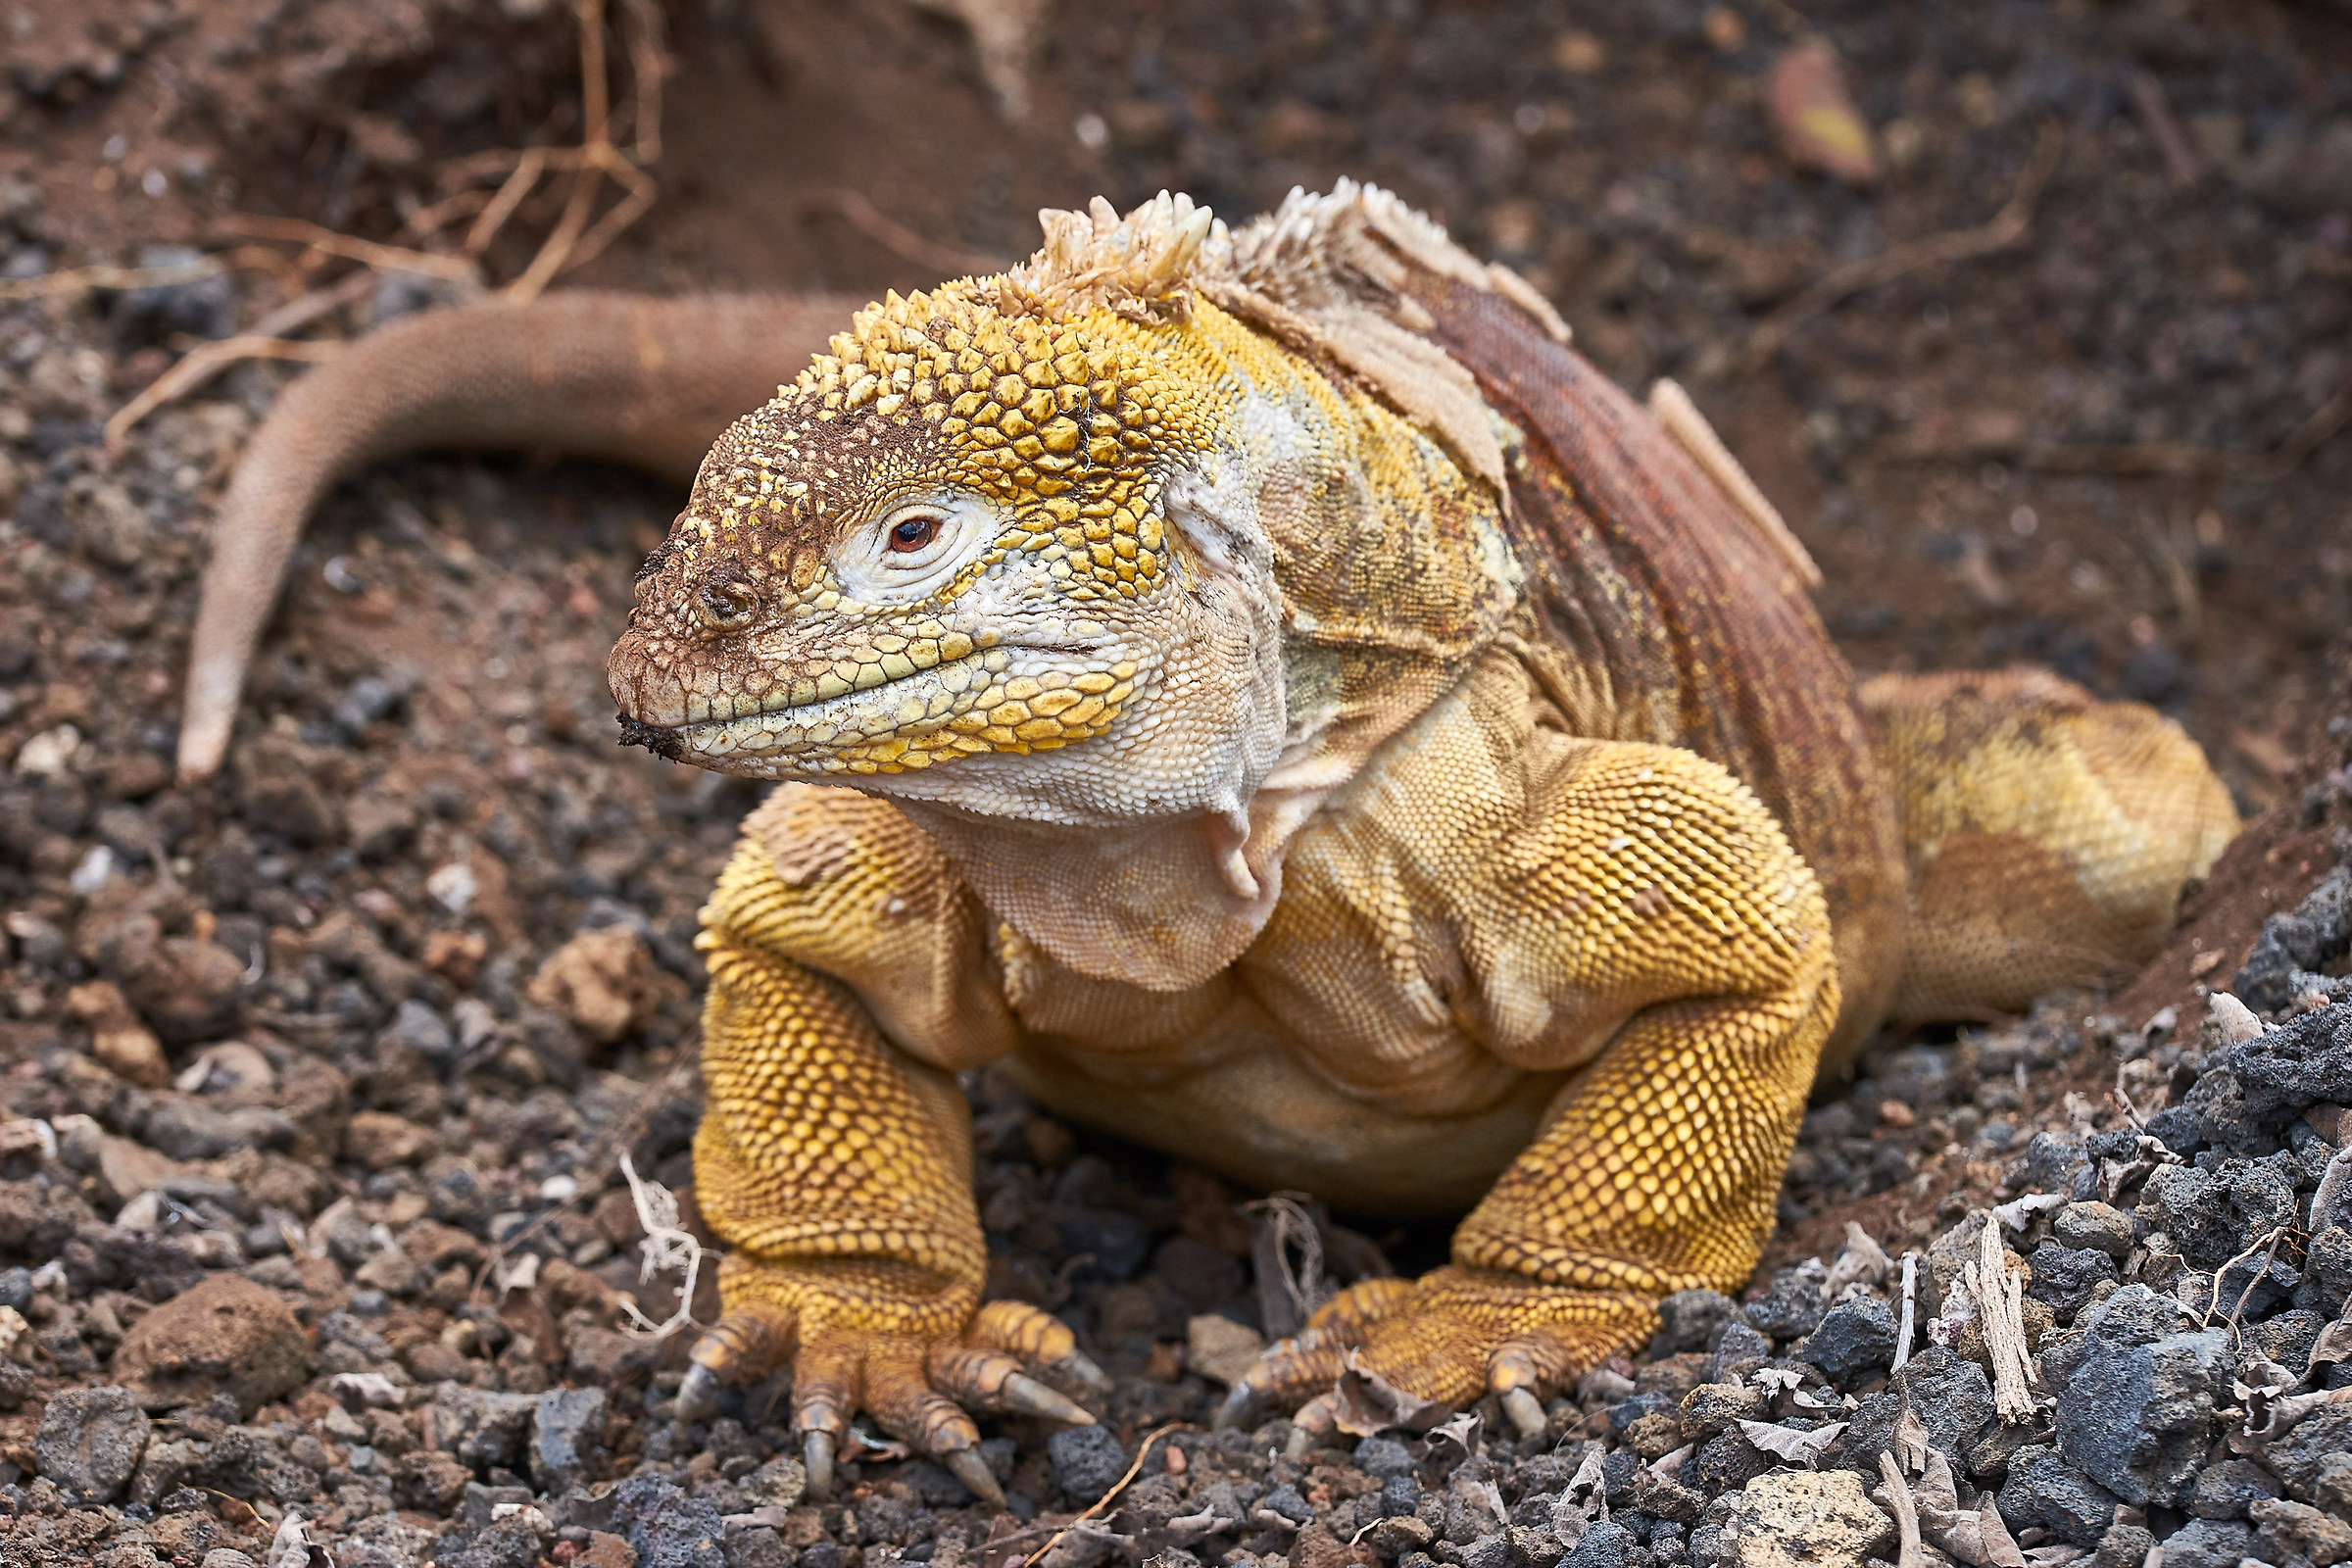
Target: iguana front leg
x,y
838,1166
1652,883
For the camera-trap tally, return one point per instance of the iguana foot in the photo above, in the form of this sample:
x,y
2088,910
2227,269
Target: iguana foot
x,y
1447,1339
912,1348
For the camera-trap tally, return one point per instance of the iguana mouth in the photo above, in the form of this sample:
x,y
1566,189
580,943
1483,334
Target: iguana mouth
x,y
847,715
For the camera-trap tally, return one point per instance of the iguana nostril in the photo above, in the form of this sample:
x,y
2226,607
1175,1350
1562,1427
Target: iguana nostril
x,y
726,601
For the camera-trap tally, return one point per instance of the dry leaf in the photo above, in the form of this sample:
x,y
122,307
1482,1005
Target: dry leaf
x,y
1814,115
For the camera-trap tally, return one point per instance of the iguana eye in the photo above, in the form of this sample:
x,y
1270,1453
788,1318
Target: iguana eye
x,y
911,534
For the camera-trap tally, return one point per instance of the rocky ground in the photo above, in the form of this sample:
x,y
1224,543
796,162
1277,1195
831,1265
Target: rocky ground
x,y
315,1078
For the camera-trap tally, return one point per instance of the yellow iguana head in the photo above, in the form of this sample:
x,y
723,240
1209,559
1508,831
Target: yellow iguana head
x,y
1022,515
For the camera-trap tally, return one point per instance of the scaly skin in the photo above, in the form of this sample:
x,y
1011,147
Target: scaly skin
x,y
1300,715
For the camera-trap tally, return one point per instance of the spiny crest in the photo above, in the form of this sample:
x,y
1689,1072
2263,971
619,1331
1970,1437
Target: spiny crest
x,y
1140,265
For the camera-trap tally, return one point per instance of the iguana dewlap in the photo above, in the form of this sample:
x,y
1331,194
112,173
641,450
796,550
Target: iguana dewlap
x,y
1296,713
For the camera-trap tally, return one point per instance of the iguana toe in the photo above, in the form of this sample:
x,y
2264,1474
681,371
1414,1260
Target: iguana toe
x,y
887,1342
1442,1342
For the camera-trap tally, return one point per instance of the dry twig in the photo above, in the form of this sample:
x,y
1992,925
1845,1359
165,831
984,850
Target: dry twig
x,y
267,340
868,219
2006,227
2278,1234
1141,1448
78,279
2164,129
2150,458
1903,1333
1906,1510
2001,1315
384,257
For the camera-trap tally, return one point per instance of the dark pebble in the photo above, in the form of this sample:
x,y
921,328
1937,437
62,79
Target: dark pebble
x,y
2208,1543
1854,1342
2044,1490
1087,1461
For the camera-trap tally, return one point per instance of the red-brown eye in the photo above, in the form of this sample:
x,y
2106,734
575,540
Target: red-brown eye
x,y
914,534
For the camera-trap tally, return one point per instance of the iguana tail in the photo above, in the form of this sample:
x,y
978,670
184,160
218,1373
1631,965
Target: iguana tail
x,y
644,382
2047,834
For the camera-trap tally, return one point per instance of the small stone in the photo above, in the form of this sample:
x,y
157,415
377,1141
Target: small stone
x,y
666,1528
606,1551
2226,1490
602,982
89,1442
226,1336
1384,1458
2137,1413
567,1427
1655,1434
1952,1397
1087,1461
2287,1339
509,1542
1487,1552
1662,1498
2302,1457
1810,1519
123,1045
1740,1343
2123,1546
1219,1349
1712,1406
2329,1264
2331,1485
227,1558
2210,1215
1399,1534
429,1482
1725,1462
2064,1277
482,1429
390,1271
2208,1543
2293,1530
1688,1320
2044,1490
1855,1342
382,1140
2096,1227
1605,1545
759,1546
1792,1307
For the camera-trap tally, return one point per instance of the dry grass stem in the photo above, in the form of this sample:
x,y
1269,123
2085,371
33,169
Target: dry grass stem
x,y
201,364
385,258
2004,229
896,237
1099,1503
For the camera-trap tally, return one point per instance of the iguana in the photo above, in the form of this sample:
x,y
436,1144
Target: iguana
x,y
1296,713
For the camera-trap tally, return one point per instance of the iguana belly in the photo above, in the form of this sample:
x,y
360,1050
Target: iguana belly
x,y
1263,1121
1373,1044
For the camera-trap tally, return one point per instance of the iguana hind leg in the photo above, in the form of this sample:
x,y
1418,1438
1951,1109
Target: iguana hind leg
x,y
2048,833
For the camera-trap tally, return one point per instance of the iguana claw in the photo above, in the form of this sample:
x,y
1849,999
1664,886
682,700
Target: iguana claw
x,y
967,1465
698,1395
